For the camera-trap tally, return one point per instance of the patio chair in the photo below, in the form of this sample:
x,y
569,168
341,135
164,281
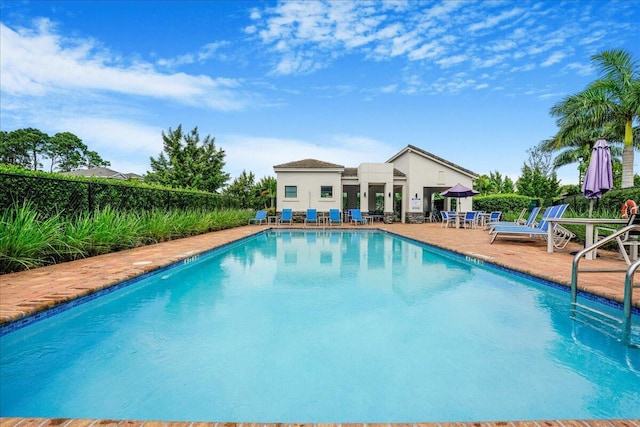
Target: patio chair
x,y
493,217
561,236
312,217
530,222
335,217
287,216
447,218
630,239
261,216
470,219
357,218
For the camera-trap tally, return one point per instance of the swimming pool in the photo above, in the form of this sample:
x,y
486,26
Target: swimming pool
x,y
321,327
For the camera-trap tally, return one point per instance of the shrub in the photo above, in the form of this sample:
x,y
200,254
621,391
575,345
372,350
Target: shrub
x,y
501,202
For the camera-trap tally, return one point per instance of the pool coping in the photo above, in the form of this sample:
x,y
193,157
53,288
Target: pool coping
x,y
79,422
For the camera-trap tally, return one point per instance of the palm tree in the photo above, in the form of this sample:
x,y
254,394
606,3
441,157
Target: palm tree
x,y
606,108
578,149
267,187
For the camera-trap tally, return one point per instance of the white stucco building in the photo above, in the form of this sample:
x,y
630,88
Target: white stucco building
x,y
401,189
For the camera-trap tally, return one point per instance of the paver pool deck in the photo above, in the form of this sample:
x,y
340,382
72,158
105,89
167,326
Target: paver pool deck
x,y
25,293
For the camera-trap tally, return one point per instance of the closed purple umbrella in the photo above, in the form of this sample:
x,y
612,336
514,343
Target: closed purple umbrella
x,y
599,177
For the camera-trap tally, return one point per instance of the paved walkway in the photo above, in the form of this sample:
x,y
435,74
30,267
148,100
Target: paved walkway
x,y
25,293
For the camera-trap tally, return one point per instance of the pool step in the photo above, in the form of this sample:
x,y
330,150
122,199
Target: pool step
x,y
606,323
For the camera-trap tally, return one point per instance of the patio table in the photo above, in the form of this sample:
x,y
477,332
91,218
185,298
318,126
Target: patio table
x,y
482,218
589,223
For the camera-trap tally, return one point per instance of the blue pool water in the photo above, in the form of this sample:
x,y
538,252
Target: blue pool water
x,y
321,327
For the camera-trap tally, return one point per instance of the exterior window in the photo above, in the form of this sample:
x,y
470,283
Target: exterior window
x,y
290,191
326,191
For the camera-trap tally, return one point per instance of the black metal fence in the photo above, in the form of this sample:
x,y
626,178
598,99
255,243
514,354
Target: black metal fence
x,y
68,197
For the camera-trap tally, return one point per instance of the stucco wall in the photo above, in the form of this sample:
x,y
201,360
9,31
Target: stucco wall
x,y
423,172
309,183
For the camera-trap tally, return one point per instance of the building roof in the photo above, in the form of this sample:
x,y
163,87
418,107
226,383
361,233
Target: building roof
x,y
309,164
102,173
354,172
420,151
350,172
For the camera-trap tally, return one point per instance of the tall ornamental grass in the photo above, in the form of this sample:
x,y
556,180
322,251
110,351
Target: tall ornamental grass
x,y
104,231
28,240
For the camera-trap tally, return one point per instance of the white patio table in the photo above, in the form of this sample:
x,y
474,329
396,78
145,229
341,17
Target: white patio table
x,y
589,223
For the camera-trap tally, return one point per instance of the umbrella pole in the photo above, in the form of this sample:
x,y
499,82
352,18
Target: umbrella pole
x,y
590,207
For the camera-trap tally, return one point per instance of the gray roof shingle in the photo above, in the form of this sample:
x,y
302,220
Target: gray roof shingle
x,y
309,164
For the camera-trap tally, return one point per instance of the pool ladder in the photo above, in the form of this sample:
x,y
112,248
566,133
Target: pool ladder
x,y
604,319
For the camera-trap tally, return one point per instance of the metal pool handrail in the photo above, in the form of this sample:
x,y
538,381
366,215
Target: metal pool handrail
x,y
628,283
628,294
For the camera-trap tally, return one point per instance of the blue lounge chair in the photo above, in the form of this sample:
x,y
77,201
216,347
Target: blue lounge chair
x,y
542,225
561,236
335,217
357,218
286,217
530,222
312,217
261,216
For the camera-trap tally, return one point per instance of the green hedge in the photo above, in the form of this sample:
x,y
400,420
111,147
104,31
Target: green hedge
x,y
609,204
501,202
52,194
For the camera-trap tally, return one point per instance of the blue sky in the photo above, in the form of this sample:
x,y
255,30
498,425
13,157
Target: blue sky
x,y
273,82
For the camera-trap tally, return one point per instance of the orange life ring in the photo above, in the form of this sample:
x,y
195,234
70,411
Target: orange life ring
x,y
629,208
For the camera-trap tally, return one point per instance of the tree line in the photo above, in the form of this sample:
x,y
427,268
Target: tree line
x,y
35,150
187,161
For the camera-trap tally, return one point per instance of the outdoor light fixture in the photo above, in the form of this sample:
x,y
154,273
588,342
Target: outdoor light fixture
x,y
389,193
416,195
365,194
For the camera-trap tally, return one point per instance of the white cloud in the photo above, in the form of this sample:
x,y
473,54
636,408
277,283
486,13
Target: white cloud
x,y
580,69
389,89
302,36
428,50
39,61
502,45
451,60
207,51
492,21
347,150
115,134
553,59
490,61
